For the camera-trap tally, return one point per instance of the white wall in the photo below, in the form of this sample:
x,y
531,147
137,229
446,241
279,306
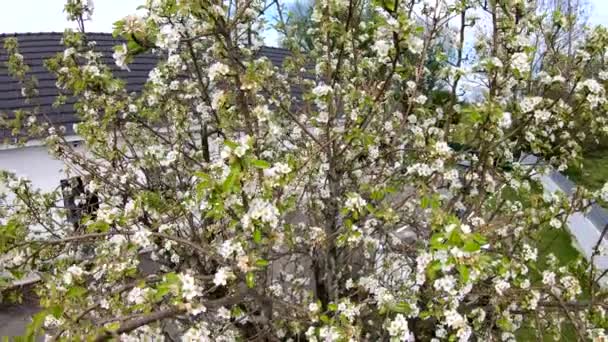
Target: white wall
x,y
34,163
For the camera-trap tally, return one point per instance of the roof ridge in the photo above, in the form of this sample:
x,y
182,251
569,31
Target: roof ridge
x,y
46,33
109,34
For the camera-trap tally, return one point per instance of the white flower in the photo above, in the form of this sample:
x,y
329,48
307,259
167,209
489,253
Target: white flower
x,y
442,148
137,295
559,79
446,284
230,247
505,120
530,253
544,78
501,285
454,319
542,115
189,289
398,328
277,170
321,90
170,158
243,147
592,86
355,202
465,228
168,38
323,117
313,307
416,44
223,313
555,223
420,99
67,53
411,86
218,69
117,241
329,334
262,210
221,276
604,192
141,238
381,47
120,57
71,273
603,75
92,69
196,334
519,62
262,113
548,278
507,337
528,104
572,286
492,62
450,227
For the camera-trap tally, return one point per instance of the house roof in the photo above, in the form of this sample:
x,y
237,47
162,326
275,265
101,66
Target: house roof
x,y
37,47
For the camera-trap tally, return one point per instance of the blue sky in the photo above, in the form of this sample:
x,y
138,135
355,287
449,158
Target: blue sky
x,y
47,15
599,12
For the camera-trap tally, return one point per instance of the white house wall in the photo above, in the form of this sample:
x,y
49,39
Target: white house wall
x,y
36,164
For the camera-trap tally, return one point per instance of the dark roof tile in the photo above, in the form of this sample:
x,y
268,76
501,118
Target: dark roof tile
x,y
38,47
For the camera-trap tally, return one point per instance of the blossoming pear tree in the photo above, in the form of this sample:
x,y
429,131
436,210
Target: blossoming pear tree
x,y
330,198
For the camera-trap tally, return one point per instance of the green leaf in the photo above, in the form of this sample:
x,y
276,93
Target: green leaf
x,y
455,237
332,307
250,279
112,326
56,311
76,292
464,273
35,325
480,239
232,179
98,227
161,291
433,269
401,307
231,144
437,241
260,164
262,263
425,202
171,278
257,235
471,246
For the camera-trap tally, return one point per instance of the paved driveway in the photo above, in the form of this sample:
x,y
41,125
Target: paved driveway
x,y
14,318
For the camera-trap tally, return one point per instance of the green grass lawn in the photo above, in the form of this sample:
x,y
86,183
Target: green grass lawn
x,y
594,172
560,243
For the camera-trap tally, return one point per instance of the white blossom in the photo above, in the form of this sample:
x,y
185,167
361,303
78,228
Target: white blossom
x,y
120,57
221,276
398,328
355,202
218,69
